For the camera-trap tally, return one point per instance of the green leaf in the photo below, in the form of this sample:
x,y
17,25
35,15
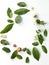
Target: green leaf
x,y
38,21
38,31
28,51
36,53
21,4
4,42
7,50
21,11
44,49
45,32
18,19
27,60
10,21
14,54
35,44
9,13
40,38
7,28
19,56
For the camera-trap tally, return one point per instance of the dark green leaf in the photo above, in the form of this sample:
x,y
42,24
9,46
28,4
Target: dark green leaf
x,y
10,21
4,42
21,4
45,32
7,28
36,53
27,60
40,38
14,54
7,50
38,21
21,11
19,56
24,49
28,51
18,19
44,49
9,13
35,44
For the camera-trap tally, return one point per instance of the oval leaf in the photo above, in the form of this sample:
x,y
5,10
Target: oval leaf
x,y
21,4
7,50
35,44
19,56
18,19
4,42
10,21
7,28
27,60
21,11
28,51
40,38
9,13
14,54
36,53
45,32
44,49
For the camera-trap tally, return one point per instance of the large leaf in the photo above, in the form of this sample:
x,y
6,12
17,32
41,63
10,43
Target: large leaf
x,y
36,53
4,42
14,54
21,4
44,49
40,38
7,50
21,11
9,13
7,28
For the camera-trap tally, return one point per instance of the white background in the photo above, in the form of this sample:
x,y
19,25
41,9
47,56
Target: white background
x,y
21,34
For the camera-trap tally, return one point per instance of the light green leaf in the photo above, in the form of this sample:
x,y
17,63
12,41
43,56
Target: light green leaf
x,y
9,13
18,19
40,38
27,60
45,32
36,53
7,28
21,11
35,44
21,4
44,49
7,50
4,42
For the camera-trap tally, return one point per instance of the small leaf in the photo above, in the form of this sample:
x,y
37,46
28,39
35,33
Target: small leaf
x,y
38,21
18,19
45,32
21,11
38,31
14,54
36,53
9,13
35,44
4,42
19,56
7,50
44,49
21,4
24,49
10,21
28,51
7,28
27,60
40,38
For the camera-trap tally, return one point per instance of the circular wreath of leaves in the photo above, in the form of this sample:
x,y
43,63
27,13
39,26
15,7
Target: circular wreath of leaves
x,y
40,37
